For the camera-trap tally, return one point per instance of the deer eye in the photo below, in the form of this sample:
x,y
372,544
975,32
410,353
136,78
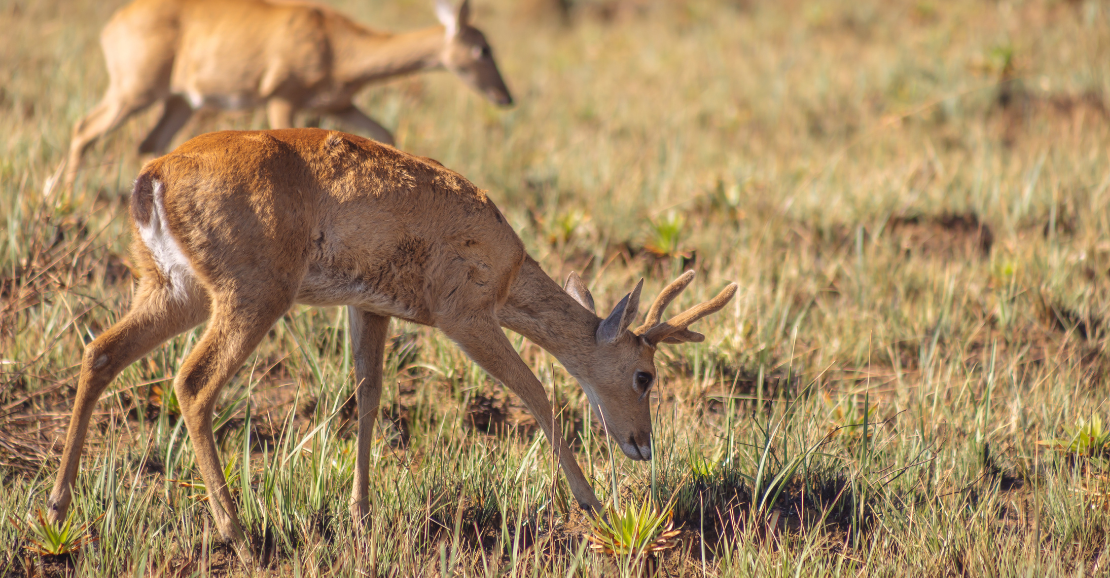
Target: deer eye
x,y
481,52
643,381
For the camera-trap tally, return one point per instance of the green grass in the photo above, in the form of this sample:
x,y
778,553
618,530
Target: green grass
x,y
915,201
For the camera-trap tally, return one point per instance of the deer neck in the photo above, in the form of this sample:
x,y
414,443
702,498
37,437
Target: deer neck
x,y
540,310
364,56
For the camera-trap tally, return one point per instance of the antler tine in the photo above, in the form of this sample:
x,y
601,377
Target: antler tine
x,y
683,320
655,314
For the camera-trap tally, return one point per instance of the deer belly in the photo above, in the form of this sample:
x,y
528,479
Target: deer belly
x,y
236,101
323,288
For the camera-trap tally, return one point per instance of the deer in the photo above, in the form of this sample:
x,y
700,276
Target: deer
x,y
286,55
236,227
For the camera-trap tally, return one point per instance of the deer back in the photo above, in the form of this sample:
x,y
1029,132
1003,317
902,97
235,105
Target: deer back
x,y
329,218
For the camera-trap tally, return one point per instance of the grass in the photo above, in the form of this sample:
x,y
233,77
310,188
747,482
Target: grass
x,y
915,201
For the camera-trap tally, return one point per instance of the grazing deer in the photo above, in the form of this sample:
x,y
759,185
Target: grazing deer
x,y
284,54
236,227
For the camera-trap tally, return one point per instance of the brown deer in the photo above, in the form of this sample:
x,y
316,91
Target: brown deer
x,y
236,227
286,55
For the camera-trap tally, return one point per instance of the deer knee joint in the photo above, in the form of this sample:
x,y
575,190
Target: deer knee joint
x,y
58,505
95,358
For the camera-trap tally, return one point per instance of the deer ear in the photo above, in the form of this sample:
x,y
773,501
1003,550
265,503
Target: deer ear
x,y
448,17
464,14
622,316
577,289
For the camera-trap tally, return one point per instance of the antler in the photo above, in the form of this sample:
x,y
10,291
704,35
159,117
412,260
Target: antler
x,y
655,314
674,330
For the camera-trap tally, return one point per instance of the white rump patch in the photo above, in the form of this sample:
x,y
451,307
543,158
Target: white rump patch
x,y
168,256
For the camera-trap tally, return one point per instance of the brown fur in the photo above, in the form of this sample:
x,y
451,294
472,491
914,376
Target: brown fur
x,y
267,219
288,56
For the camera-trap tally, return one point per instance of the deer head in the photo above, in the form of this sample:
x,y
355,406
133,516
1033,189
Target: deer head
x,y
468,55
620,371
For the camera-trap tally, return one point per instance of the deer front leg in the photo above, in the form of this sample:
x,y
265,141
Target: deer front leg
x,y
358,119
486,344
157,315
234,331
368,336
280,113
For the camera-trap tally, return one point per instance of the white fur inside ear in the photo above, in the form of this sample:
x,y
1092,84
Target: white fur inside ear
x,y
578,291
612,326
448,17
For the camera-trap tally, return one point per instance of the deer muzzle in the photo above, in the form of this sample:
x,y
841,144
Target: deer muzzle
x,y
500,97
638,446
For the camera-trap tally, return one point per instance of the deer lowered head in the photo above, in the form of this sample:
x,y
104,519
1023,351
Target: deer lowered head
x,y
618,373
468,55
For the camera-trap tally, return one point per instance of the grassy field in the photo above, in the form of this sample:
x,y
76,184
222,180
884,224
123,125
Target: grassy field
x,y
913,196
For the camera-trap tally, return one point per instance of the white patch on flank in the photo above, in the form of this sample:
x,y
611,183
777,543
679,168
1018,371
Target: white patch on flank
x,y
168,256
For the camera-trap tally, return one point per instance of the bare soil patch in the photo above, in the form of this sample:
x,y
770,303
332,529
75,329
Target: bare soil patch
x,y
943,235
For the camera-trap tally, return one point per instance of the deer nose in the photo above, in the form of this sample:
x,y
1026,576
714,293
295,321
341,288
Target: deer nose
x,y
502,98
641,444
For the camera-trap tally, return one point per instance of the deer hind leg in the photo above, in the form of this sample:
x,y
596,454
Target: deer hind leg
x,y
358,119
109,114
236,327
159,313
485,343
175,113
368,336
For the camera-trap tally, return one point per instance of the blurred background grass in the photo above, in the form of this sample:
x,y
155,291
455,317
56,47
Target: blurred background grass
x,y
913,197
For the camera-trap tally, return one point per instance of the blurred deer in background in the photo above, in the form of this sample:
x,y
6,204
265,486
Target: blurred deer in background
x,y
286,55
236,227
